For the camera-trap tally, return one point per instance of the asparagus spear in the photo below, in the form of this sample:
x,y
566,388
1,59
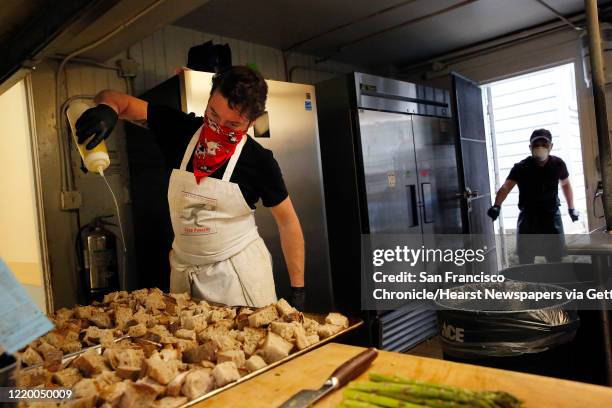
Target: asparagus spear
x,y
403,380
378,400
420,391
432,403
497,398
501,398
357,404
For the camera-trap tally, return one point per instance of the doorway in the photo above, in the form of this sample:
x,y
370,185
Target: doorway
x,y
21,244
513,108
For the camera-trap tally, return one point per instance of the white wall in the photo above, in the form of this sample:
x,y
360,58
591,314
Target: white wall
x,y
19,233
161,54
62,226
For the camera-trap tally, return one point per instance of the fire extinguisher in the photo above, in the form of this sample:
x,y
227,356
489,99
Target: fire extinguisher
x,y
98,263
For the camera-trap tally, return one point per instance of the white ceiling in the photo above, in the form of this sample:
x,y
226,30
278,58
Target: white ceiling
x,y
282,23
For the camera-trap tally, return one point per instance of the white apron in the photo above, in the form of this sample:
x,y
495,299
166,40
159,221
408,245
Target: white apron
x,y
217,253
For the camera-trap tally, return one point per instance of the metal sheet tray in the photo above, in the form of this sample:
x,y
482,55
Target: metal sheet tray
x,y
354,323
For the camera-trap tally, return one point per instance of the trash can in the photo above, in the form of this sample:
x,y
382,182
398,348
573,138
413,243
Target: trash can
x,y
510,334
586,350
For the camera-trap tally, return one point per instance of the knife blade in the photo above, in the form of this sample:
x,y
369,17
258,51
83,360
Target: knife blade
x,y
349,370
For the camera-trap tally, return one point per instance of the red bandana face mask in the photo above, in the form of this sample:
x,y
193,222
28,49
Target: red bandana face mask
x,y
216,145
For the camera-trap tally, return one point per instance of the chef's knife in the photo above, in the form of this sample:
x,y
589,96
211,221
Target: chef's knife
x,y
342,375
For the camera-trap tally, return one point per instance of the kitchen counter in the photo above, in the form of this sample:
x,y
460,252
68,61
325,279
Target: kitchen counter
x,y
310,371
598,245
595,243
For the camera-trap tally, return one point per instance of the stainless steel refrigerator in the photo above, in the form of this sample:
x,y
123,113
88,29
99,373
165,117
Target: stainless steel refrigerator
x,y
389,165
293,139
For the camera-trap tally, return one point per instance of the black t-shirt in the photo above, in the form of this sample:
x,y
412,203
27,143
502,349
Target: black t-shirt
x,y
539,185
256,172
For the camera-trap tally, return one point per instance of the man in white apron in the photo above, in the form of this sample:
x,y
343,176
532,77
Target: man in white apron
x,y
217,253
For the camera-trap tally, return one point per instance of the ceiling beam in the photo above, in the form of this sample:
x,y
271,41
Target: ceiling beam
x,y
52,19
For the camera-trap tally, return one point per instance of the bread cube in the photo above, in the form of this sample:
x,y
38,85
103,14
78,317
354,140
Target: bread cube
x,y
111,393
175,385
263,316
237,356
137,330
283,329
185,334
170,402
159,388
85,388
252,339
275,348
161,371
67,377
337,319
89,363
137,396
31,357
254,363
197,382
225,373
72,347
327,330
284,308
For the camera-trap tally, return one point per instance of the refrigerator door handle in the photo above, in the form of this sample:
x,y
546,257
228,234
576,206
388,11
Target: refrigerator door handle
x,y
413,210
427,203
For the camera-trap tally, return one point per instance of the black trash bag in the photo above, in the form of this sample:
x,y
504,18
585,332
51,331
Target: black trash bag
x,y
209,57
503,328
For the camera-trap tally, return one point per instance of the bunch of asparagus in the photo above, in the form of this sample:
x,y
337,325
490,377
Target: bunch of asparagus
x,y
394,391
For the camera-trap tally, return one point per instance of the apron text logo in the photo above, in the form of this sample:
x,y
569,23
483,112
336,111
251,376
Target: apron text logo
x,y
197,230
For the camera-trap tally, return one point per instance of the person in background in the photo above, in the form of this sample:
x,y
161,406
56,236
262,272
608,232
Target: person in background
x,y
219,174
538,178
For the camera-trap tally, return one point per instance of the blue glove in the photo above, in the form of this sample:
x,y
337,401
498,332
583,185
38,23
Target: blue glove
x,y
574,214
493,212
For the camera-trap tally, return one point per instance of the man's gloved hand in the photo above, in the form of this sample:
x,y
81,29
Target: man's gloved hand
x,y
98,121
574,214
298,297
493,212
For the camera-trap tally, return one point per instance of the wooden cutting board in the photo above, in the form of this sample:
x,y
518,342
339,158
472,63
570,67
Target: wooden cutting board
x,y
274,387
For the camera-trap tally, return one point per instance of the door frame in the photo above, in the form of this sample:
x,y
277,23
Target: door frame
x,y
38,191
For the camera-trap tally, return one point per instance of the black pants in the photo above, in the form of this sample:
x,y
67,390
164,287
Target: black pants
x,y
540,233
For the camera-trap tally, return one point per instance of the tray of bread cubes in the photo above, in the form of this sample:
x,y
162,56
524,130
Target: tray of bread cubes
x,y
151,349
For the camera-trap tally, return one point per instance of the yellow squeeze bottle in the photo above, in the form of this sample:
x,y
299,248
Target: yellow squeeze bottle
x,y
96,160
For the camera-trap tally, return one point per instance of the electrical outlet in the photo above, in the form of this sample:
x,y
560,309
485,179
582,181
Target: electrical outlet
x,y
70,200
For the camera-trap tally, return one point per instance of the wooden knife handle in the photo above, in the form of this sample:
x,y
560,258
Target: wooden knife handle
x,y
354,367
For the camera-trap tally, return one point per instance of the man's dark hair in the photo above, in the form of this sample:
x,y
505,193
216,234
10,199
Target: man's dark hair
x,y
244,88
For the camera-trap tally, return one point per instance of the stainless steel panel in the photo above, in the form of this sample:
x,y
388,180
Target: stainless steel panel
x,y
437,174
365,84
389,169
293,138
404,328
374,92
442,95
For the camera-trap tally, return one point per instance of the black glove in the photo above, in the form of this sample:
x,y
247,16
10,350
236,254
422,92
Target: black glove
x,y
494,212
574,215
99,122
298,298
